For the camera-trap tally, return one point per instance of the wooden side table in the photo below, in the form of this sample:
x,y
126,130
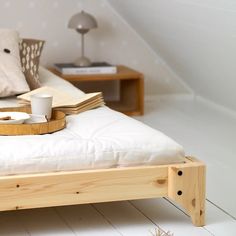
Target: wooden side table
x,y
131,88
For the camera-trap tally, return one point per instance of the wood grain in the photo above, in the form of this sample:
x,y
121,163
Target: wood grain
x,y
187,187
77,187
115,184
123,73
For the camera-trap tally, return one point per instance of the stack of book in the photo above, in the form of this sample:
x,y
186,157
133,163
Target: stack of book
x,y
65,102
94,68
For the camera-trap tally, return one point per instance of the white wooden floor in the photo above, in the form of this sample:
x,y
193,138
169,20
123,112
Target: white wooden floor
x,y
205,133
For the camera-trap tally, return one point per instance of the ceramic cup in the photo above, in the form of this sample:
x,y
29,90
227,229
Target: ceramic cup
x,y
41,104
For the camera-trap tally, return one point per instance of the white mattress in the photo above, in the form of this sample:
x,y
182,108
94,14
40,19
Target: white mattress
x,y
99,138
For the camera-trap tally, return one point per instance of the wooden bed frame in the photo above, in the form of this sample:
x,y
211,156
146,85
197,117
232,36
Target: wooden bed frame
x,y
183,183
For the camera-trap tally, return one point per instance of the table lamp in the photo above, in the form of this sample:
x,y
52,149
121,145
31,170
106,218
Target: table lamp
x,y
82,22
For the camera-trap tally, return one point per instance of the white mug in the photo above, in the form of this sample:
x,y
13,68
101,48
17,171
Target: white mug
x,y
41,104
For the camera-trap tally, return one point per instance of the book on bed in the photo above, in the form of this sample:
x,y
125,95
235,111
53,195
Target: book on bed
x,y
65,102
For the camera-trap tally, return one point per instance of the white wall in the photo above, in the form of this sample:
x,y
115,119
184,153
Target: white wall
x,y
197,38
114,41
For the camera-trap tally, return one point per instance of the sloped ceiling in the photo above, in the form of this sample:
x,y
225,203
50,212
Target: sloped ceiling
x,y
197,39
113,41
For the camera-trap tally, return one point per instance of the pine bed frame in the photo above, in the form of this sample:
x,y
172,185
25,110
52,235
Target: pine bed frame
x,y
183,183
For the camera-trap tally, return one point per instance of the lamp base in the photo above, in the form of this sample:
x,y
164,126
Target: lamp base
x,y
82,61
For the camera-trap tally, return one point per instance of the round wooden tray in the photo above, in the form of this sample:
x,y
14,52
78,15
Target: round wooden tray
x,y
57,122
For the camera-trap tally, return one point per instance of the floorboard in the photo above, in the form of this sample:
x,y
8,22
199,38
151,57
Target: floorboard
x,y
126,219
10,225
85,220
43,222
219,223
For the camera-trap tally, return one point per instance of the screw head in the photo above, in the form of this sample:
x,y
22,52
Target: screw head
x,y
179,193
180,172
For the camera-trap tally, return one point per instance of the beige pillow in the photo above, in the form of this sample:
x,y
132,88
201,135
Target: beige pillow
x,y
12,80
30,52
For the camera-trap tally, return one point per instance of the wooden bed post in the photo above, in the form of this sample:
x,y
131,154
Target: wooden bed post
x,y
186,186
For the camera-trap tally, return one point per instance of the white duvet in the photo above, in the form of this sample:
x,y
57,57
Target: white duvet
x,y
99,138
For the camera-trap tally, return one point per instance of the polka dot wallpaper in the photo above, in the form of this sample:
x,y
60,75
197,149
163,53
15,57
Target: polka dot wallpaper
x,y
113,41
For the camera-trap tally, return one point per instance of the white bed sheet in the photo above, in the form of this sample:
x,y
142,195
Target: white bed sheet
x,y
99,138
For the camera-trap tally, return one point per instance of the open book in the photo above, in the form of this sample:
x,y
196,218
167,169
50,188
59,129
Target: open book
x,y
65,102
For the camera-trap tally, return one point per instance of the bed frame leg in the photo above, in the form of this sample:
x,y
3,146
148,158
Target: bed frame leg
x,y
186,186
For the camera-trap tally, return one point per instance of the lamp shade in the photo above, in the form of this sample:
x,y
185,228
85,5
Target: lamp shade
x,y
82,21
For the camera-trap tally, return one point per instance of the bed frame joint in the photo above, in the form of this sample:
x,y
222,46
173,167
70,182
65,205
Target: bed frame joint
x,y
186,187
